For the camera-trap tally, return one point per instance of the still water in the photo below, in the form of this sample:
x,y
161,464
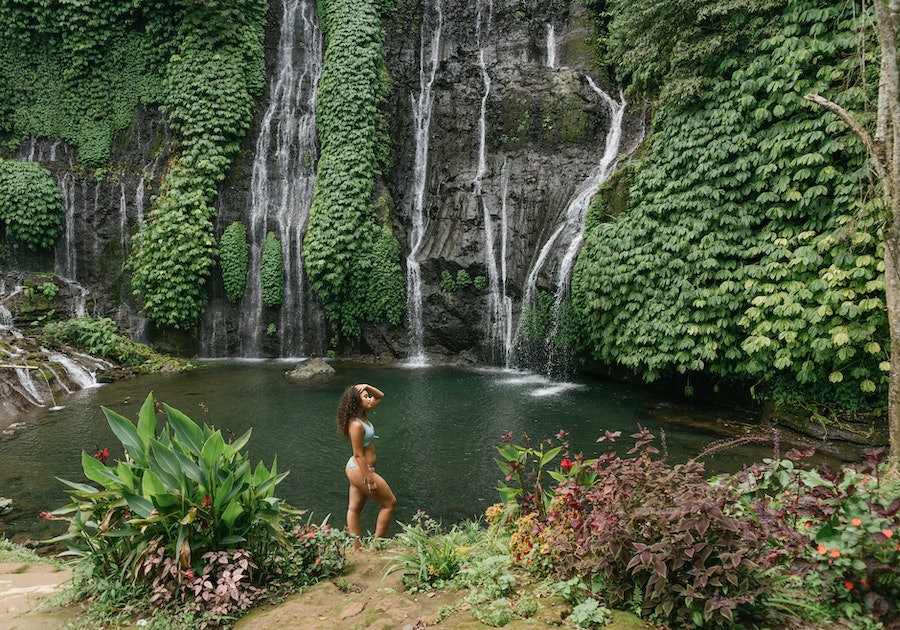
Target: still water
x,y
438,430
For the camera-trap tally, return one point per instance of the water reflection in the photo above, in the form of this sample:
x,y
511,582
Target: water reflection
x,y
438,427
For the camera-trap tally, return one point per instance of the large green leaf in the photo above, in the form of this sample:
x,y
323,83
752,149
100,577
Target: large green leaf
x,y
146,427
187,433
95,470
127,435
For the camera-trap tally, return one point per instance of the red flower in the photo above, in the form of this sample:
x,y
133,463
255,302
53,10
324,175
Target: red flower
x,y
207,501
848,585
102,454
566,464
888,533
48,516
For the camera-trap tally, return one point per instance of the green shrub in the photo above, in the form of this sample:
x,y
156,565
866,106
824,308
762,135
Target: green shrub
x,y
104,338
271,272
233,258
31,204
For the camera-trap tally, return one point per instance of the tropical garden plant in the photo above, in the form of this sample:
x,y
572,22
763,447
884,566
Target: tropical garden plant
x,y
775,543
183,521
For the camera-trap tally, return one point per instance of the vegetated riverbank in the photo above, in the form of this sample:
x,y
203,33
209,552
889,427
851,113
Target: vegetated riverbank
x,y
32,597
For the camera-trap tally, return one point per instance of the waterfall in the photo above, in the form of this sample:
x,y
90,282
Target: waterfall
x,y
65,248
281,189
78,371
568,236
429,56
551,47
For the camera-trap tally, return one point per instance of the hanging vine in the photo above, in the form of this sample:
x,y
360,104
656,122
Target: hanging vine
x,y
346,251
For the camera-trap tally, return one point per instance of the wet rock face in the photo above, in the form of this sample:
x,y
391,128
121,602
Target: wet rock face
x,y
515,128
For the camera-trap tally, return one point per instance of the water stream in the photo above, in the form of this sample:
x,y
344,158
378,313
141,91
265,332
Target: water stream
x,y
429,57
439,428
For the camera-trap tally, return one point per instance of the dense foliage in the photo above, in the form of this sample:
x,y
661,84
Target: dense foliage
x,y
78,70
183,521
233,252
271,272
750,247
210,88
345,250
31,204
102,337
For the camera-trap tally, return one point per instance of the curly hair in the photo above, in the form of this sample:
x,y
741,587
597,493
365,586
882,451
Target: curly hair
x,y
348,408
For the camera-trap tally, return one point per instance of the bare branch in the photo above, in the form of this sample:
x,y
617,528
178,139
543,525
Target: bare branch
x,y
871,147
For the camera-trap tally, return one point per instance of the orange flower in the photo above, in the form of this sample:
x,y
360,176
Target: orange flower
x,y
848,585
888,533
835,553
822,549
807,524
856,522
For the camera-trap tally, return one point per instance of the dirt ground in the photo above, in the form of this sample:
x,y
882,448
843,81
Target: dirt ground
x,y
363,597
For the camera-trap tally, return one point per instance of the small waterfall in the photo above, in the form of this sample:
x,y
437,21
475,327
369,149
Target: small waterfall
x,y
568,237
283,177
29,389
80,375
551,46
139,199
429,56
65,249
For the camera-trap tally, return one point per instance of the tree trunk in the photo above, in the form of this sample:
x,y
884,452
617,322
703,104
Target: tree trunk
x,y
884,152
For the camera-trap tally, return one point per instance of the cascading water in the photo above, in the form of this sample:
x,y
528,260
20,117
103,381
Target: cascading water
x,y
283,178
569,234
551,46
429,57
499,311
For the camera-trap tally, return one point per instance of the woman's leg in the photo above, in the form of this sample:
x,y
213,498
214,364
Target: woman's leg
x,y
355,503
386,499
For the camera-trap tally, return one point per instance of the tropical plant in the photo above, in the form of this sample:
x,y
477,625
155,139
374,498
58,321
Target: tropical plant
x,y
31,204
684,551
233,258
177,495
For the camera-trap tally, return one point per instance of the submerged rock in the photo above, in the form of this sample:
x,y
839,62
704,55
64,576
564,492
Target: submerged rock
x,y
308,368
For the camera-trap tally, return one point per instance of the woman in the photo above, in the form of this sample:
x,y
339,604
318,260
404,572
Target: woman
x,y
356,402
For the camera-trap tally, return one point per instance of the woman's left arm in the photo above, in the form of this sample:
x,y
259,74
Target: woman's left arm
x,y
376,393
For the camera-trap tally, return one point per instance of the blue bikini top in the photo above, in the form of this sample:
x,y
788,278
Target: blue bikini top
x,y
369,436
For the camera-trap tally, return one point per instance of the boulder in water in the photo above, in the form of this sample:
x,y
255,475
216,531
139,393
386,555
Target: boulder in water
x,y
308,368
